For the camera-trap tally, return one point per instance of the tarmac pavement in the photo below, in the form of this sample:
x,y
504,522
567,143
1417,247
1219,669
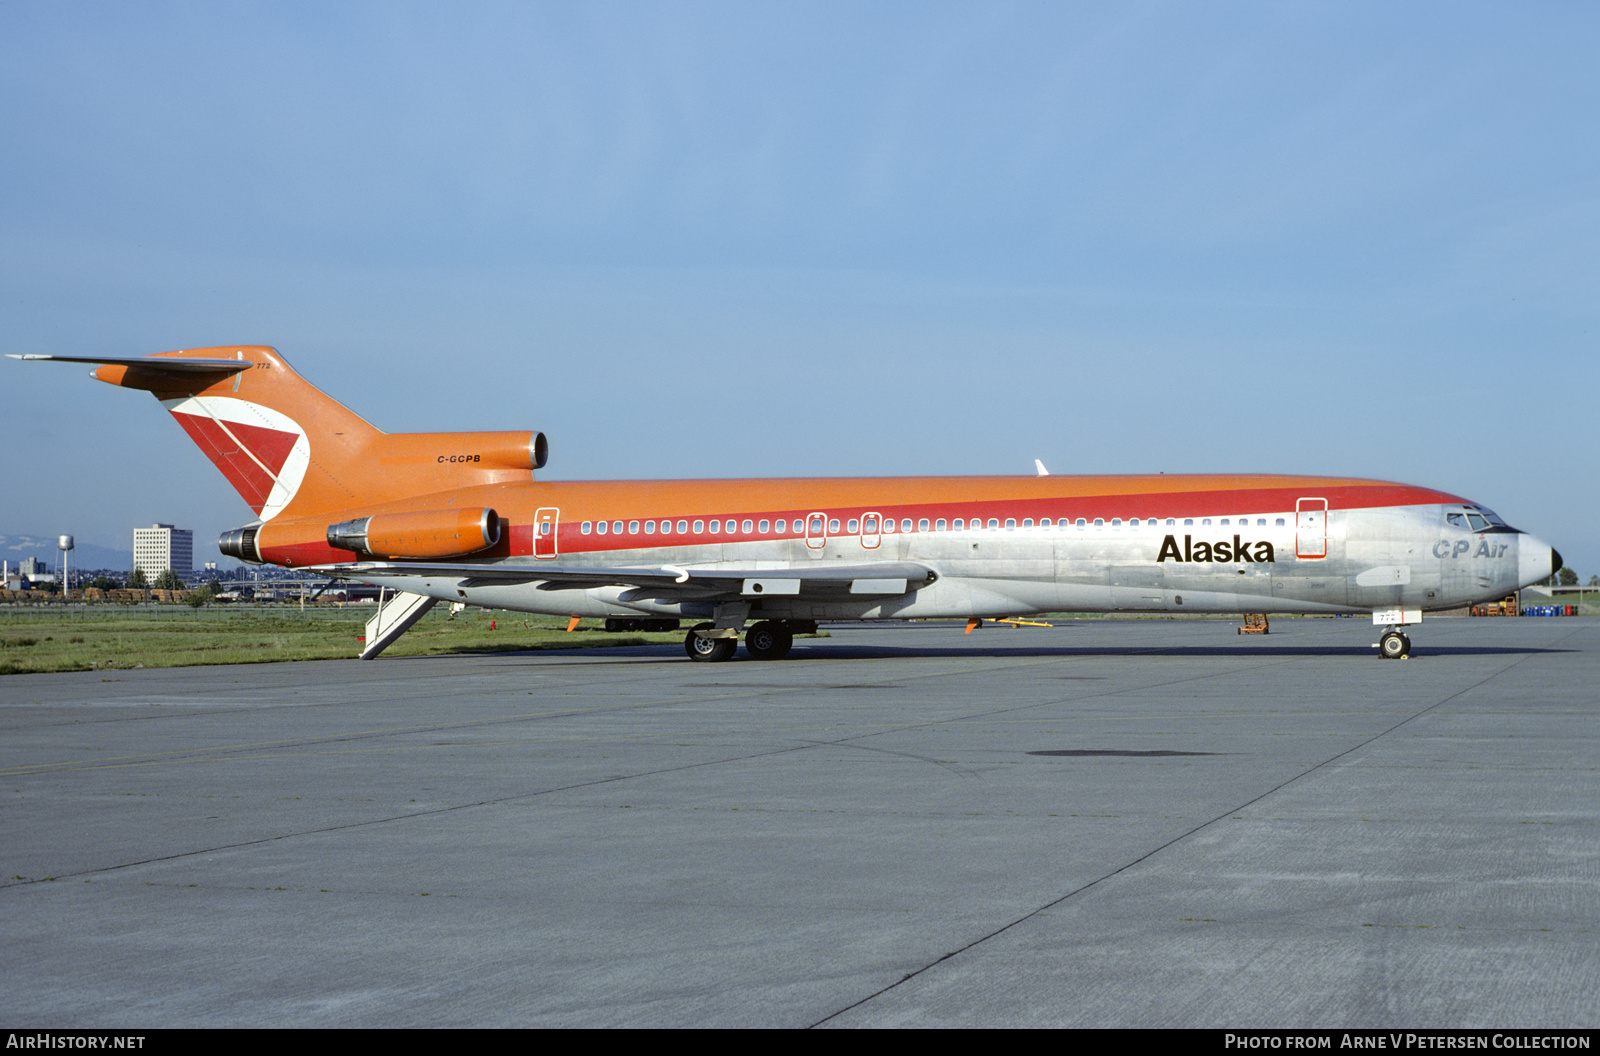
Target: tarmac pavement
x,y
1146,823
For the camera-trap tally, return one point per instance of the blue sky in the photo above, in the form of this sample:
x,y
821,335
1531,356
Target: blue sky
x,y
817,239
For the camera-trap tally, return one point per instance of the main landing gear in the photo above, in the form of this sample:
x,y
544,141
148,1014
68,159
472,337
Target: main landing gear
x,y
1394,646
713,650
766,640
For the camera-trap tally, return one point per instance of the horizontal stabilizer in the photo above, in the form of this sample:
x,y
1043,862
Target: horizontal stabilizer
x,y
161,363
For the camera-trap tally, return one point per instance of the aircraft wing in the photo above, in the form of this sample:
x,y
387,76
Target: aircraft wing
x,y
661,581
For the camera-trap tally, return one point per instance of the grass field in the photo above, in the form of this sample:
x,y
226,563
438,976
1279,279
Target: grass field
x,y
102,637
107,637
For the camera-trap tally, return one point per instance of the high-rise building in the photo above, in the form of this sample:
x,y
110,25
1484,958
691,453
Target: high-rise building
x,y
160,547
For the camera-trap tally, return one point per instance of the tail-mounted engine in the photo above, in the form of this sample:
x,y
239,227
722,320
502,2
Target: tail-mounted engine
x,y
241,544
416,535
419,535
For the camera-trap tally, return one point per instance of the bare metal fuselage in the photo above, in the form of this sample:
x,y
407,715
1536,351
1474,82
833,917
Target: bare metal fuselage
x,y
1367,560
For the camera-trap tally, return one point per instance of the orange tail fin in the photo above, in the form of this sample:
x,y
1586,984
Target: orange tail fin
x,y
290,450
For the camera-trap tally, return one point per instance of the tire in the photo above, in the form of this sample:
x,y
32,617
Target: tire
x,y
709,650
1393,645
768,640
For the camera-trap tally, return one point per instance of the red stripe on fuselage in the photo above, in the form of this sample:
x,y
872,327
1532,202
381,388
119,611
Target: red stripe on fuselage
x,y
671,501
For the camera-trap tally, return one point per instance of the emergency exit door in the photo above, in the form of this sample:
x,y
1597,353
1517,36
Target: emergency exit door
x,y
545,523
1311,528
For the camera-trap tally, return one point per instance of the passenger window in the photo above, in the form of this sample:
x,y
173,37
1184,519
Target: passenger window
x,y
939,525
922,525
1027,522
649,527
833,524
616,527
905,525
746,527
600,529
853,525
699,527
765,526
781,527
633,527
994,524
1188,522
1224,522
585,528
960,524
1099,522
1082,523
1280,522
1011,524
1116,522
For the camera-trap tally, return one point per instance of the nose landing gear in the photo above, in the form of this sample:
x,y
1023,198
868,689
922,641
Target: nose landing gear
x,y
1394,646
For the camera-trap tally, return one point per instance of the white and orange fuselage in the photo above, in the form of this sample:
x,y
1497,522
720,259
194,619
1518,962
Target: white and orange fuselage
x,y
460,517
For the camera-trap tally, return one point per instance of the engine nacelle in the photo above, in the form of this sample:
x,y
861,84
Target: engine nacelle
x,y
419,535
241,544
490,455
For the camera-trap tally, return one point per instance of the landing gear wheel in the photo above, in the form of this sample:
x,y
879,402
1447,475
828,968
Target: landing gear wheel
x,y
1394,646
712,650
768,640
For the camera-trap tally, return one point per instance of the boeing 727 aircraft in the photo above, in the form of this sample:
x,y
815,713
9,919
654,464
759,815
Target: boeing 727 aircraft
x,y
459,517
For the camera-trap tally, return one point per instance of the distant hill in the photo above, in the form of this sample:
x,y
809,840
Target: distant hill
x,y
15,547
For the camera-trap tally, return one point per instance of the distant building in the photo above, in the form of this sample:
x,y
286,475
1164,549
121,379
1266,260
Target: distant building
x,y
33,572
160,547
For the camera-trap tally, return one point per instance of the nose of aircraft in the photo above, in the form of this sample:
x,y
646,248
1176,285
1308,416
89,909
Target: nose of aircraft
x,y
1536,559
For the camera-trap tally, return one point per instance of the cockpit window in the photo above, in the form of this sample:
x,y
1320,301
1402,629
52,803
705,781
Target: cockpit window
x,y
1478,521
1457,519
1493,518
